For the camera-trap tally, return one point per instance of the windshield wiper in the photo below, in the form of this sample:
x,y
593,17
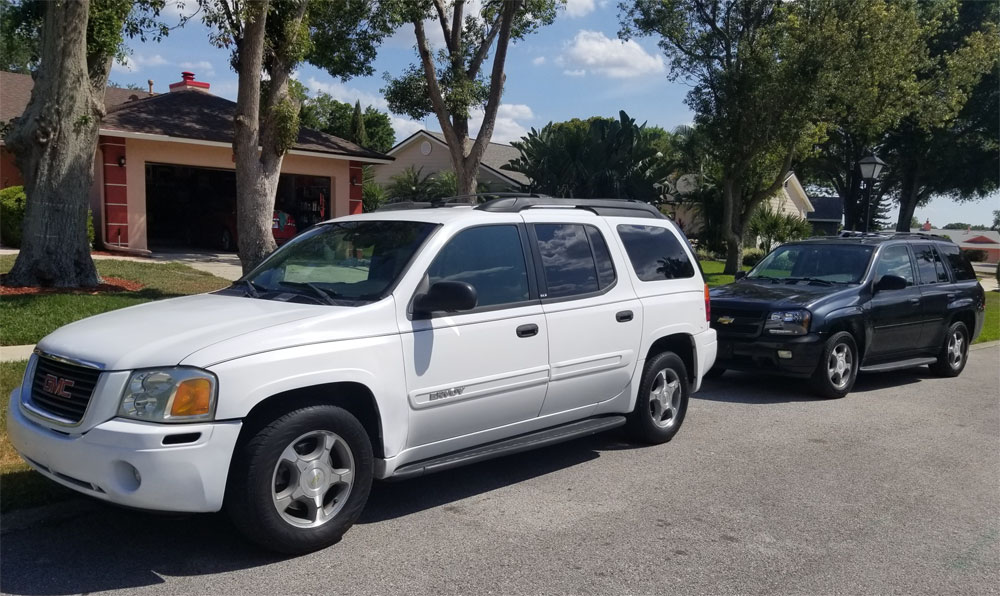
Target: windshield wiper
x,y
326,296
812,280
773,280
251,289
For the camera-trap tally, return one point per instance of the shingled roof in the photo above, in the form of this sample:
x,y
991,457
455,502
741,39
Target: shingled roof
x,y
495,157
15,93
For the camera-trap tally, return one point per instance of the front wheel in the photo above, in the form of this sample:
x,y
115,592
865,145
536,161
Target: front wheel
x,y
301,481
662,400
838,366
954,351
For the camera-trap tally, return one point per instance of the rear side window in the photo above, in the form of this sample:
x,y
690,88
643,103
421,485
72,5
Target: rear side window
x,y
575,259
655,253
960,265
929,265
895,260
490,258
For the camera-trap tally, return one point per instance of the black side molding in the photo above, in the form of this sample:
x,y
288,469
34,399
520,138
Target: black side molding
x,y
542,438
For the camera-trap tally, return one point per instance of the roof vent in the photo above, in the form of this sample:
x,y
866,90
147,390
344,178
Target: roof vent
x,y
188,82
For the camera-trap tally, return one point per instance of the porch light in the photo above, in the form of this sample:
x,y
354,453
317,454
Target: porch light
x,y
121,161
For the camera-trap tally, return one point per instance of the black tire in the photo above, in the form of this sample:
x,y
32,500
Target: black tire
x,y
952,358
650,422
715,372
259,466
826,383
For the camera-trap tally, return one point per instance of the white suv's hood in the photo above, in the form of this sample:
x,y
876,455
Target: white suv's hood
x,y
163,333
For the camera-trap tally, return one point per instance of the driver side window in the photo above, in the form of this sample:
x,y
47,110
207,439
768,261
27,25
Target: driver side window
x,y
490,258
895,260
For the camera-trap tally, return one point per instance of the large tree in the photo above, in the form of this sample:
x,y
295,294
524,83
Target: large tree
x,y
270,38
760,70
450,83
55,139
324,113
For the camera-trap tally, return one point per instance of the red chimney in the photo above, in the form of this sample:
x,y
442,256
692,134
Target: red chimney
x,y
188,82
927,226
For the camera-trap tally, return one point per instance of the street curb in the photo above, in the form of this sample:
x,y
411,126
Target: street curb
x,y
984,346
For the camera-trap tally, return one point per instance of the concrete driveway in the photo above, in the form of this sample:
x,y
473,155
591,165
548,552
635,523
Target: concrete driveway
x,y
765,490
223,264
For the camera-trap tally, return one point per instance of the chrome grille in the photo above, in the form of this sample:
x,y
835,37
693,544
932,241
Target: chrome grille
x,y
61,389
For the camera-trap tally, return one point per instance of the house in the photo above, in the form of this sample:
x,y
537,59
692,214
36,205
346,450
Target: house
x,y
164,170
790,200
827,215
987,241
428,152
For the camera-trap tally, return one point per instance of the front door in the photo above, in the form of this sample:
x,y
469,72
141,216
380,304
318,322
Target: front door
x,y
485,368
896,314
594,319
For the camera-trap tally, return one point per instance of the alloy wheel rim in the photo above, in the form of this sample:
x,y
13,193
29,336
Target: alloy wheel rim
x,y
312,479
956,349
840,366
665,398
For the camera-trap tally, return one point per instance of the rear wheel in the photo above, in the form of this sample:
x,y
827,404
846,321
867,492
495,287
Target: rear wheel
x,y
662,401
954,352
838,367
302,481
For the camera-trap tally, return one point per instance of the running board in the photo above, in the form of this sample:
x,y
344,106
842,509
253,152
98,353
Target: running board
x,y
542,438
900,365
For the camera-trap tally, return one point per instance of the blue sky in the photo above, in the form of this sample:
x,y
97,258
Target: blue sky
x,y
575,68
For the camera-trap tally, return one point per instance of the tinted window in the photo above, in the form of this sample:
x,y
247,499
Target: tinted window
x,y
490,258
605,268
655,253
566,259
895,260
960,265
929,265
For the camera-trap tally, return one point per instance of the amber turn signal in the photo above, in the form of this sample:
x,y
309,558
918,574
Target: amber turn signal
x,y
193,398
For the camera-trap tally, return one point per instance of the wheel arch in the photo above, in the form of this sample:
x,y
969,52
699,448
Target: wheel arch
x,y
682,344
855,327
352,396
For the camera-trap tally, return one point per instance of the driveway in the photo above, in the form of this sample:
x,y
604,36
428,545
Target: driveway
x,y
223,264
765,490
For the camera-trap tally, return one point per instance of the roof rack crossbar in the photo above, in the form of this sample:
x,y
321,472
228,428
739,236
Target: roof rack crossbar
x,y
619,207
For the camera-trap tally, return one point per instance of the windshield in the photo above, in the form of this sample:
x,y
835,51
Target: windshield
x,y
834,263
340,261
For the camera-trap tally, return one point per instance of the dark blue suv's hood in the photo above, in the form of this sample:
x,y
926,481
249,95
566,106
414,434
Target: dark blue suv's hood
x,y
783,295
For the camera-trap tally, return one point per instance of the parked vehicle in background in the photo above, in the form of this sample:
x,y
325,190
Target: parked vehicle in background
x,y
827,308
218,230
384,345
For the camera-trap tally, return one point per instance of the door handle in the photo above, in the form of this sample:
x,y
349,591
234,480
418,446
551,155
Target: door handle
x,y
914,300
527,330
623,316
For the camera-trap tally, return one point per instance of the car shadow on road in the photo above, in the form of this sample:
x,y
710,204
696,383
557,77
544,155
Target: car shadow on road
x,y
748,388
99,547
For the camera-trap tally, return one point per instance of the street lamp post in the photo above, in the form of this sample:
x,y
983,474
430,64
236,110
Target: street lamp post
x,y
870,166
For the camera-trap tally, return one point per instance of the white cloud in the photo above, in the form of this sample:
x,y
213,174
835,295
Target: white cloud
x,y
579,72
593,52
538,61
180,9
509,125
125,65
403,127
201,68
136,62
579,8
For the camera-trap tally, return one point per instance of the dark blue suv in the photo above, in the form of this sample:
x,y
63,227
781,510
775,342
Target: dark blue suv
x,y
828,308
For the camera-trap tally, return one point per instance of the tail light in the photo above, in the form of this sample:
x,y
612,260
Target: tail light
x,y
708,305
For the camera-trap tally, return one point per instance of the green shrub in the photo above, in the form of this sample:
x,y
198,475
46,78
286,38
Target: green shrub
x,y
976,255
752,256
12,201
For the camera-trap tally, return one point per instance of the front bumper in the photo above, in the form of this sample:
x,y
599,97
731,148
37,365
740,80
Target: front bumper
x,y
761,354
126,462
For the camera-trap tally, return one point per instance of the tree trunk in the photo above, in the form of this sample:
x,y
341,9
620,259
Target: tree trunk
x,y
53,143
909,196
255,187
731,231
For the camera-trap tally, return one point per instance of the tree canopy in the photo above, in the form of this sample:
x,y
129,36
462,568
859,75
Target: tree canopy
x,y
325,113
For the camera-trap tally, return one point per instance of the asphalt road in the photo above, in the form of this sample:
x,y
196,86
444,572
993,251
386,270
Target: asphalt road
x,y
894,489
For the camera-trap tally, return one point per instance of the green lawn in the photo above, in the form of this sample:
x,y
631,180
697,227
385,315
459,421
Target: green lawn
x,y
28,318
991,328
714,275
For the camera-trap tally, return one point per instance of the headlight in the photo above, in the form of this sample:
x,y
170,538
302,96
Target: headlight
x,y
788,322
169,395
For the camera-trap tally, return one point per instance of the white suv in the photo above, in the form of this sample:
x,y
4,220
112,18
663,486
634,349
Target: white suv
x,y
384,345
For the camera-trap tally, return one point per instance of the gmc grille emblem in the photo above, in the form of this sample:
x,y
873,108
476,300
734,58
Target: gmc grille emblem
x,y
57,386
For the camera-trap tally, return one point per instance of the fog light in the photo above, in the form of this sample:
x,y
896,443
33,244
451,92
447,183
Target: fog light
x,y
784,354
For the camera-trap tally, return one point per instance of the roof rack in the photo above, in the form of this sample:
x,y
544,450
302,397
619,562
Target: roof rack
x,y
604,207
454,201
922,235
892,234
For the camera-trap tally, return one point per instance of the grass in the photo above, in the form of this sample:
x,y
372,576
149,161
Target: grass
x,y
714,275
991,327
25,319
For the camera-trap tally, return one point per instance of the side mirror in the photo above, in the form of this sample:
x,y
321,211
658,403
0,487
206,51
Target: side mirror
x,y
740,275
447,296
890,282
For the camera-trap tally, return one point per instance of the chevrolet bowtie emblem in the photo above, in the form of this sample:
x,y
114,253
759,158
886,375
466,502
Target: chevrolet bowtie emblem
x,y
724,320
